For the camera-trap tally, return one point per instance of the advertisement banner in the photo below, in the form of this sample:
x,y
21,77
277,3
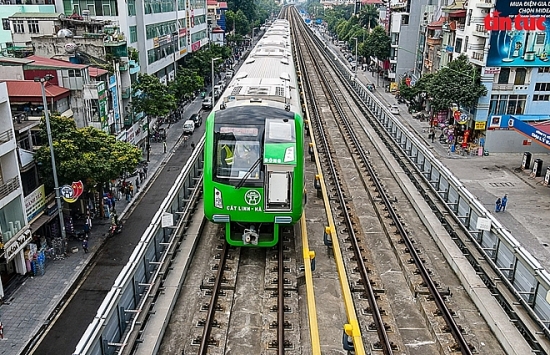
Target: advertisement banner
x,y
102,101
530,131
114,95
195,46
520,32
35,202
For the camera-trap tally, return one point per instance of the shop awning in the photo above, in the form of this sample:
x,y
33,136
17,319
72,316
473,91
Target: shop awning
x,y
40,221
537,131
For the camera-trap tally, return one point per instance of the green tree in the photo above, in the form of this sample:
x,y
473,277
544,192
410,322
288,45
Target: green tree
x,y
152,97
368,17
86,154
377,44
458,83
186,83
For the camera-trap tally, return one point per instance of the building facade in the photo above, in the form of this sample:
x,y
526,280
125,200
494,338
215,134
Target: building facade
x,y
162,32
15,233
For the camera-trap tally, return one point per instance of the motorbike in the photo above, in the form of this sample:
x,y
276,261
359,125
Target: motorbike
x,y
115,229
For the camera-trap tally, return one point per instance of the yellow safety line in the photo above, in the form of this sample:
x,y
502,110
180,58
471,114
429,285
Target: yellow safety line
x,y
352,329
311,307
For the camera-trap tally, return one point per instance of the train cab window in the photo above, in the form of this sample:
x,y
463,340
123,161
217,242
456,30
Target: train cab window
x,y
280,130
238,150
236,158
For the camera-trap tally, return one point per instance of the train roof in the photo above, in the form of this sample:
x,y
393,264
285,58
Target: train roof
x,y
268,73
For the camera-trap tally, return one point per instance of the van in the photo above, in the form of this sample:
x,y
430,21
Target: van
x,y
207,103
229,74
188,127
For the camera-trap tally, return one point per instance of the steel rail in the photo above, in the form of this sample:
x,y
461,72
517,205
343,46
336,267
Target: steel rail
x,y
377,316
281,299
440,302
203,349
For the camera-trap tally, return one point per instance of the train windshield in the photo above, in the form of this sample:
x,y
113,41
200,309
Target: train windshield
x,y
237,151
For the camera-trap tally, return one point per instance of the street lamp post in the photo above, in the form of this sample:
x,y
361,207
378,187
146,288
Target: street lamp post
x,y
213,60
356,63
42,82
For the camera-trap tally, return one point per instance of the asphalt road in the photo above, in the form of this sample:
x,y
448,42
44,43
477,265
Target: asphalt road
x,y
113,256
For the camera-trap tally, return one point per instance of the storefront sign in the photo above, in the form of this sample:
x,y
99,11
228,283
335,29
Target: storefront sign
x,y
480,125
35,202
182,32
538,135
195,46
491,70
71,193
14,246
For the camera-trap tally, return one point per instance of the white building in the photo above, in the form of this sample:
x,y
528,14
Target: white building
x,y
15,233
163,31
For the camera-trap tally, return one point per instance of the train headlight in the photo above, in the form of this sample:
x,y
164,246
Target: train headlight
x,y
218,200
289,154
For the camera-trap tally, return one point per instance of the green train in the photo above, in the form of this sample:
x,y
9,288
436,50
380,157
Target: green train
x,y
254,147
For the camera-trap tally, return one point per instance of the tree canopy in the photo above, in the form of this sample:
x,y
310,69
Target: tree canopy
x,y
186,83
86,154
458,83
151,96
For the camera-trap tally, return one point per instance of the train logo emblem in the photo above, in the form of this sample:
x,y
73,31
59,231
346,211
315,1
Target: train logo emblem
x,y
71,193
252,197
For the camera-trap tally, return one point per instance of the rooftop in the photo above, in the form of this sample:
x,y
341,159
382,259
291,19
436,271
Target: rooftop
x,y
95,72
35,15
41,63
29,90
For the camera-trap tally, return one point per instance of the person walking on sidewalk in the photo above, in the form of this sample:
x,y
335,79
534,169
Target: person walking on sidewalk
x,y
85,245
504,202
144,172
164,146
498,205
137,184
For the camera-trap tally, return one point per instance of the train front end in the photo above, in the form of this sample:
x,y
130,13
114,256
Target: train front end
x,y
254,173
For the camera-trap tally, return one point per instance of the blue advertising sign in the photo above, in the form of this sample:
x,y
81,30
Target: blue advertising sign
x,y
520,34
114,94
532,132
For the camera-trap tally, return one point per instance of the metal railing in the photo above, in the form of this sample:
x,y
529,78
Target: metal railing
x,y
8,187
6,136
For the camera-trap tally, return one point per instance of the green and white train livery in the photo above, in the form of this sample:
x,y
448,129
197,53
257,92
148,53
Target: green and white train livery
x,y
254,149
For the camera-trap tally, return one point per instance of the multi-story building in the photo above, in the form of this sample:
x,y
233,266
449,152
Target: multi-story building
x,y
15,233
405,19
162,31
9,8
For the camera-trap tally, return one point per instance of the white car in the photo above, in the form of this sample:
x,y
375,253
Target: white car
x,y
189,127
394,109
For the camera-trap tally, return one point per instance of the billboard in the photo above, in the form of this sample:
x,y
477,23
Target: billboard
x,y
520,34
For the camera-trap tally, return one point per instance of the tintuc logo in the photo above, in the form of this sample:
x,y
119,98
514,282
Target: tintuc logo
x,y
494,22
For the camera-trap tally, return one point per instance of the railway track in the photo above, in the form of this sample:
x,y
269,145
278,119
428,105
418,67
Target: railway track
x,y
403,294
237,300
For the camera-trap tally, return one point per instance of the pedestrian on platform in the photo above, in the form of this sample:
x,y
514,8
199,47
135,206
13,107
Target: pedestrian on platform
x,y
164,146
504,202
498,205
85,245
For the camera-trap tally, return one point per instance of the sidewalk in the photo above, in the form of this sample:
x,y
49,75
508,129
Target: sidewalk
x,y
31,307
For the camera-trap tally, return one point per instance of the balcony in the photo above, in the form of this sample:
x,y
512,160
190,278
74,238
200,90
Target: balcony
x,y
476,46
8,187
6,136
484,4
478,58
503,87
480,31
433,41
